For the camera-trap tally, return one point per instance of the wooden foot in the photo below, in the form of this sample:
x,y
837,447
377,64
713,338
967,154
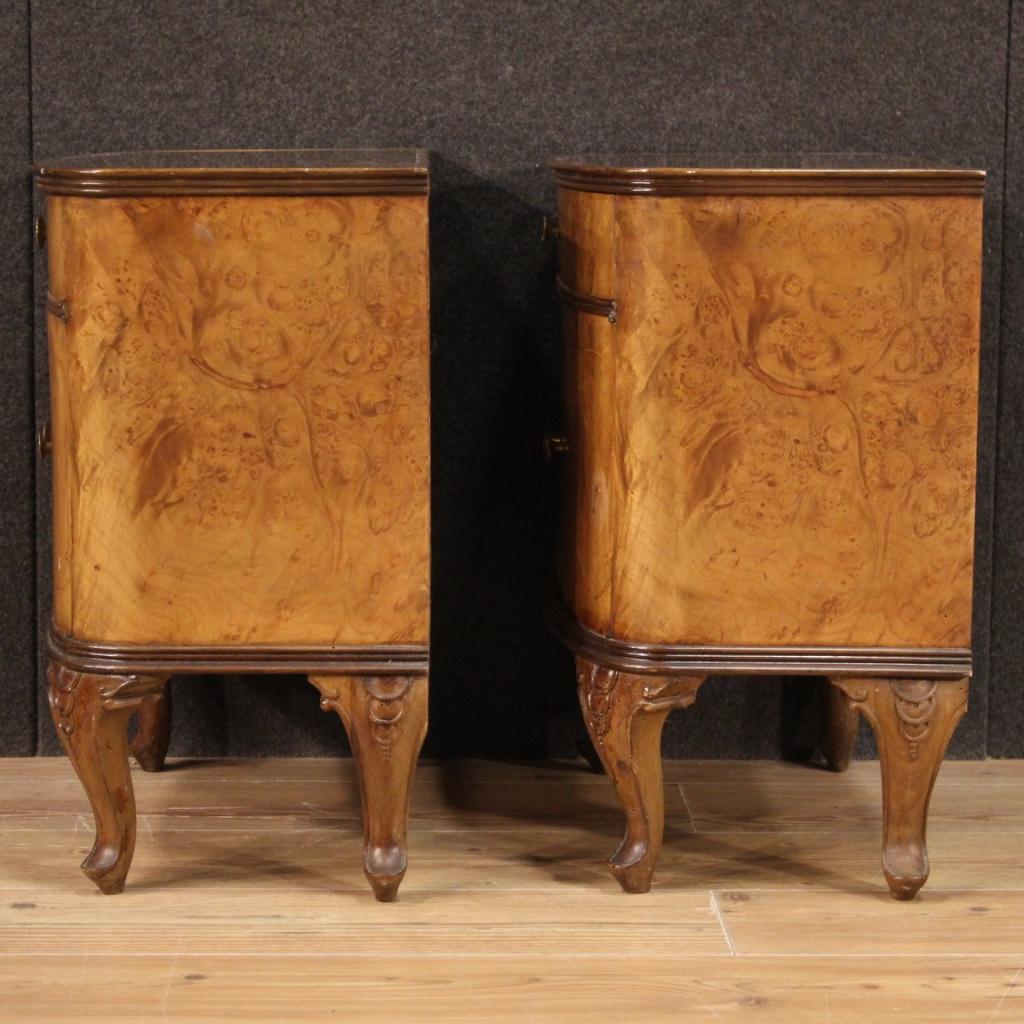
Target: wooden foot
x,y
839,722
91,713
153,732
913,720
624,715
386,720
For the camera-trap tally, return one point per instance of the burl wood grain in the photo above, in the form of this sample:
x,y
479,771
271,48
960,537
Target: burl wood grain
x,y
776,442
240,419
592,481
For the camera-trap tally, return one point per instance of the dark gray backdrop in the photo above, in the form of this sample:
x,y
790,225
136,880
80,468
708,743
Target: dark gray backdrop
x,y
493,90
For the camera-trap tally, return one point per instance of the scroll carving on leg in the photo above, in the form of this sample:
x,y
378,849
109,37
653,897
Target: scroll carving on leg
x,y
386,721
913,720
153,732
625,715
91,714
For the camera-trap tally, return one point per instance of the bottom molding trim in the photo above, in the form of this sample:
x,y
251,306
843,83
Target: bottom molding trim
x,y
724,660
156,659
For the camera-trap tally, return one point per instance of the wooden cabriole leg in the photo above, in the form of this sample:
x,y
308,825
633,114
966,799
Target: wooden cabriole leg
x,y
839,721
91,713
625,714
386,721
913,720
153,732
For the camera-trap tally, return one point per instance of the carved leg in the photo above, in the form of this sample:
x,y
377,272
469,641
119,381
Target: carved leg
x,y
625,715
91,713
386,720
153,732
913,721
838,728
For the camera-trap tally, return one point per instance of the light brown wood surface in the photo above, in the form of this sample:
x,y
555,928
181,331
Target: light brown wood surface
x,y
839,726
386,721
913,721
624,716
240,419
90,714
775,443
153,732
766,907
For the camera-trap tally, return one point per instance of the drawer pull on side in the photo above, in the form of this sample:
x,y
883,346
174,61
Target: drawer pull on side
x,y
554,444
587,303
58,308
44,440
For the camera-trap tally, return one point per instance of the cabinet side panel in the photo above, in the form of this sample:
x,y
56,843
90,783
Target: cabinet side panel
x,y
241,420
593,495
62,425
797,388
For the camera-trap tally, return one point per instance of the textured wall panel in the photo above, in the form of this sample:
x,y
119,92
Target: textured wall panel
x,y
494,90
1006,717
17,451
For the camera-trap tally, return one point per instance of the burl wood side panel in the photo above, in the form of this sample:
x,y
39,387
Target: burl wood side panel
x,y
240,419
780,431
592,493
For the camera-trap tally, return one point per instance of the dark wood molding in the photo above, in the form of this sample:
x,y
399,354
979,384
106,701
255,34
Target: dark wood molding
x,y
723,660
232,181
127,659
587,303
675,181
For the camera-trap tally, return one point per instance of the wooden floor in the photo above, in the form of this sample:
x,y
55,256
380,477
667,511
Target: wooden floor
x,y
246,902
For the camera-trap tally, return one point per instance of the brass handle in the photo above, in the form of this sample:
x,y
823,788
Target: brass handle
x,y
40,232
555,444
548,230
44,440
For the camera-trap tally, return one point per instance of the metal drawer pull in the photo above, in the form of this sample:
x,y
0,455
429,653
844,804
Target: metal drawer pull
x,y
548,230
587,303
44,440
58,308
555,444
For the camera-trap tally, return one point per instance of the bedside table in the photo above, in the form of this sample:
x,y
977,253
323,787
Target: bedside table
x,y
239,375
772,396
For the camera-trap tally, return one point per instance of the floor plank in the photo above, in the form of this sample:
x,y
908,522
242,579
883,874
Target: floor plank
x,y
854,800
179,988
935,922
194,790
465,857
246,900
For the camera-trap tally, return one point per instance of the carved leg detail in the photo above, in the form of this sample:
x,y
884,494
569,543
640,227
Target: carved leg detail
x,y
838,728
386,720
91,713
153,732
624,715
913,720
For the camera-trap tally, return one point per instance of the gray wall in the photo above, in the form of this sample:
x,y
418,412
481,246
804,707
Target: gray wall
x,y
493,90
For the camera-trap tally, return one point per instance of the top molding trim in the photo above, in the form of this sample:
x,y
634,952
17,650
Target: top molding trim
x,y
634,179
237,172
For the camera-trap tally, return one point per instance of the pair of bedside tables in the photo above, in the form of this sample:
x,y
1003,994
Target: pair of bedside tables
x,y
769,457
